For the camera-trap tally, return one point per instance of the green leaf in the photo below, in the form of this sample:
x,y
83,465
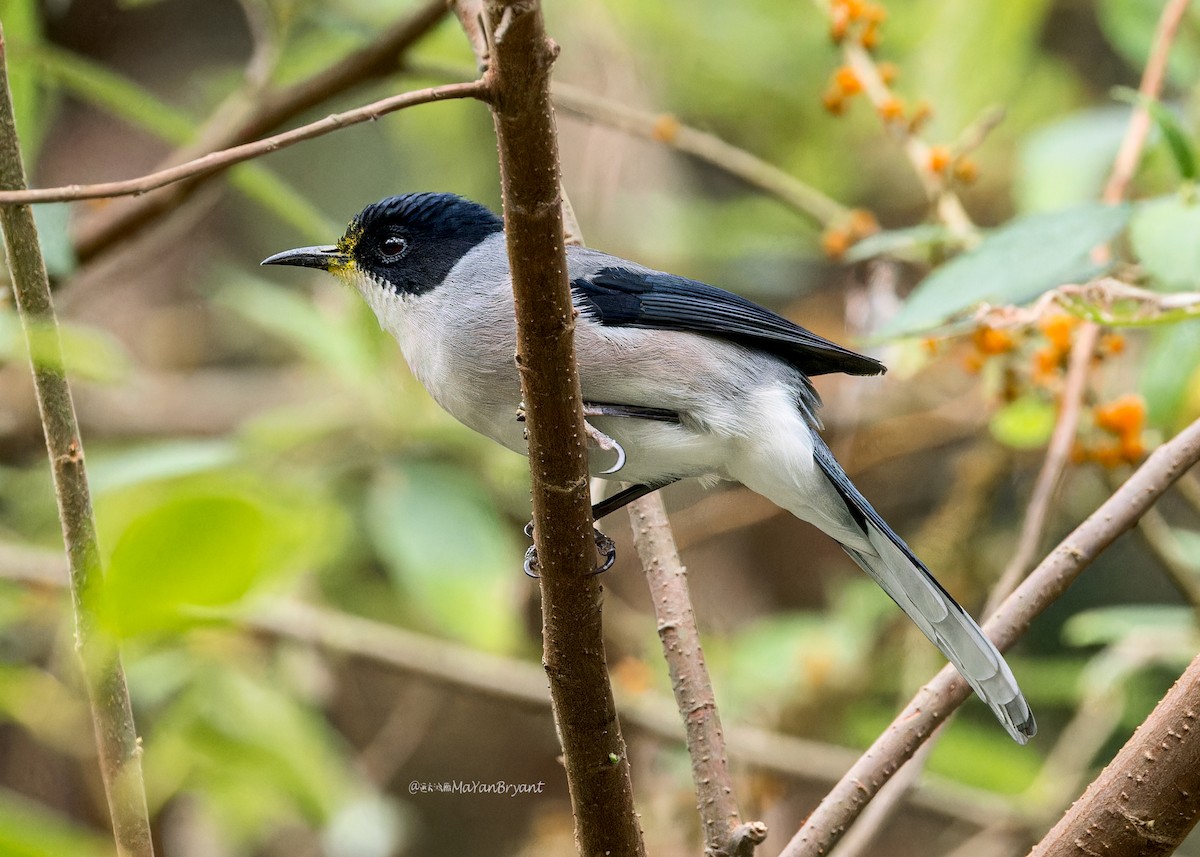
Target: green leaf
x,y
1025,423
916,243
447,550
1130,25
202,550
115,470
1178,142
23,34
1014,264
1106,625
1066,163
1169,373
1165,234
28,829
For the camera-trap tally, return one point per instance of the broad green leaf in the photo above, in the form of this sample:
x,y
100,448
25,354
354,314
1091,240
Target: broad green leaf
x,y
1025,423
192,551
1012,265
1169,372
1066,163
28,829
1165,234
451,557
115,470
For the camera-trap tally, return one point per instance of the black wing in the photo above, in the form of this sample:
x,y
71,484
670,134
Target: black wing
x,y
627,297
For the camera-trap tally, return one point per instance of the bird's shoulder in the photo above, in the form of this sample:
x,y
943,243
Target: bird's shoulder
x,y
616,292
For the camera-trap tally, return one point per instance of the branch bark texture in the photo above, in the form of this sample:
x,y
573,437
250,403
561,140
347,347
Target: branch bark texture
x,y
1148,798
104,677
934,702
518,78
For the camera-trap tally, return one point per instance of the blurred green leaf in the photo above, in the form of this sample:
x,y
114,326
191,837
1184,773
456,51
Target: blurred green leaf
x,y
1012,265
1105,625
448,552
1130,25
192,551
87,352
1168,373
1066,162
28,829
22,35
1165,234
1025,423
51,712
1180,145
915,244
115,470
55,237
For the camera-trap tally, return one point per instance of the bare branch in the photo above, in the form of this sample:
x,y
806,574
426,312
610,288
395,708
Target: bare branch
x,y
100,660
381,57
226,158
597,764
934,702
1148,798
724,832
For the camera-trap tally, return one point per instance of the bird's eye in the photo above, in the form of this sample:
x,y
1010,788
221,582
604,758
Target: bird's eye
x,y
392,246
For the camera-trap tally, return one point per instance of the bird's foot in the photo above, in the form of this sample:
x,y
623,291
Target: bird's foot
x,y
604,545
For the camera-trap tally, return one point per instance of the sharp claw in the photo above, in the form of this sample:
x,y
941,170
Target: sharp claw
x,y
620,459
609,547
531,562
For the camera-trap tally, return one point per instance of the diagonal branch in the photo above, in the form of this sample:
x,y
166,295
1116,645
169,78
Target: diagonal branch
x,y
100,660
215,162
384,55
594,753
934,702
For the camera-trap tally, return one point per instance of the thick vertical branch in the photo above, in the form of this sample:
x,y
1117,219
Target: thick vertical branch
x,y
112,715
1148,798
594,752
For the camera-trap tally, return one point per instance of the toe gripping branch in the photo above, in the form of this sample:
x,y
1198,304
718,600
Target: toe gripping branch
x,y
622,498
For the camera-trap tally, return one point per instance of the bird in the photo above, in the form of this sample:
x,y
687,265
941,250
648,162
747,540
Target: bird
x,y
680,379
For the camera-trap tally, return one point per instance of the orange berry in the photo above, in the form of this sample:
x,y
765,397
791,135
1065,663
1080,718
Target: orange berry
x,y
666,128
1057,328
870,37
873,13
939,159
1112,343
1107,455
892,109
888,72
965,170
861,223
855,8
835,242
931,345
847,81
1124,416
989,340
1046,362
834,102
973,362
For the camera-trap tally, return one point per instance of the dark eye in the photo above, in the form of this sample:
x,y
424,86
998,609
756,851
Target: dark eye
x,y
392,246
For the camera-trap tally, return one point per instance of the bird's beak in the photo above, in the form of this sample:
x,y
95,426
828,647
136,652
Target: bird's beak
x,y
326,258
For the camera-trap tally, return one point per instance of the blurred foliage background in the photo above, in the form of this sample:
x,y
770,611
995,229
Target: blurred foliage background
x,y
254,440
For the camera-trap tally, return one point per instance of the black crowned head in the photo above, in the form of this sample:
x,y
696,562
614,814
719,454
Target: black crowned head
x,y
404,243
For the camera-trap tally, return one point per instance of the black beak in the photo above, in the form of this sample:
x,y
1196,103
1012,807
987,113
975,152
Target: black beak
x,y
324,258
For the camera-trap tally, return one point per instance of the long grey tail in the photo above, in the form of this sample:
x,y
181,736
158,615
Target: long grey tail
x,y
910,584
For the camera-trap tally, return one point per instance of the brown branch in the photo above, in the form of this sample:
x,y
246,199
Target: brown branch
x,y
666,129
934,702
385,55
724,832
108,696
1148,798
226,158
596,760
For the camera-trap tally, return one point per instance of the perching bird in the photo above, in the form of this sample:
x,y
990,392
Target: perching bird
x,y
680,379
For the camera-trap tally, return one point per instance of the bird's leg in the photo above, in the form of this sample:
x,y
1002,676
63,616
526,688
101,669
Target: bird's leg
x,y
618,501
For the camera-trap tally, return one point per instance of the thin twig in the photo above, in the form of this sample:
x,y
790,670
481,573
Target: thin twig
x,y
724,832
383,56
666,129
226,158
117,744
934,702
594,752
